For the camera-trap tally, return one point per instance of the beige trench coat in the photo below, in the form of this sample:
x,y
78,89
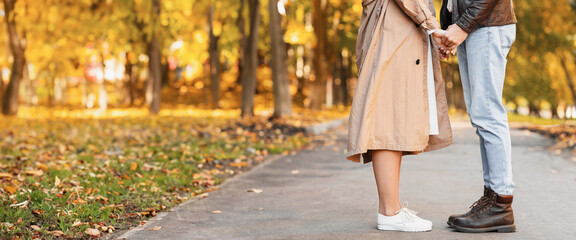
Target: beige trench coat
x,y
390,106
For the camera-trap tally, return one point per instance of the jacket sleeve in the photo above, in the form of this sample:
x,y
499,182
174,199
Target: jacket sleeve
x,y
420,13
476,13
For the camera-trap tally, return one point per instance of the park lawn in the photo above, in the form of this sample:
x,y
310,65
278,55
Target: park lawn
x,y
78,177
517,118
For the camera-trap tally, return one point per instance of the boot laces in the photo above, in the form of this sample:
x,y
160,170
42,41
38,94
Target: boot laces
x,y
480,203
489,203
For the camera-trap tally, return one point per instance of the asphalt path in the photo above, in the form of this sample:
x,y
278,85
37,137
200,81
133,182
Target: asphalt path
x,y
318,194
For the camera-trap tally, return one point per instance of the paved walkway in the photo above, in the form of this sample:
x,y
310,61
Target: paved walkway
x,y
317,194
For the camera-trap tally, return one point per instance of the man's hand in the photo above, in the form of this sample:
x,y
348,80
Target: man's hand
x,y
454,37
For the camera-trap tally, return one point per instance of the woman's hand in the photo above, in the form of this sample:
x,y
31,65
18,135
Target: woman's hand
x,y
437,37
445,52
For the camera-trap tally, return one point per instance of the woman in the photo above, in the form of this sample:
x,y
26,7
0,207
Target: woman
x,y
399,106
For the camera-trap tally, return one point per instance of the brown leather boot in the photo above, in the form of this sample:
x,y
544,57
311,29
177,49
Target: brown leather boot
x,y
474,208
495,215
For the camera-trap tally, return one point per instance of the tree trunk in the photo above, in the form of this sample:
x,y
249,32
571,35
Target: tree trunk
x,y
318,94
51,82
554,110
132,80
281,84
248,77
214,62
205,70
1,85
568,79
345,77
534,109
340,84
18,48
241,24
165,74
300,75
333,54
154,65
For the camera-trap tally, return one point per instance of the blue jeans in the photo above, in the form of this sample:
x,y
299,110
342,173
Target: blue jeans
x,y
482,60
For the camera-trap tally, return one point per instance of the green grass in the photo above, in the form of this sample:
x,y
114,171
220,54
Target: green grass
x,y
512,117
118,172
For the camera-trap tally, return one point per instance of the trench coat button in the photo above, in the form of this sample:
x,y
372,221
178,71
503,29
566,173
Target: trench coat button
x,y
418,62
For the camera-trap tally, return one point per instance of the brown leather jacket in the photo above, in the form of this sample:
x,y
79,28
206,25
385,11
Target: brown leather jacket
x,y
473,14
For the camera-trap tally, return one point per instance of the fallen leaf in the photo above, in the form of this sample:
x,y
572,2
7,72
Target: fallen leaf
x,y
36,173
19,221
58,233
92,232
37,212
10,189
6,175
43,167
79,201
203,195
74,183
57,182
133,166
156,228
254,190
217,211
34,227
238,164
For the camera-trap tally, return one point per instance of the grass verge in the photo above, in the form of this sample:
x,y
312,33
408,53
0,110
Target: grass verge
x,y
75,178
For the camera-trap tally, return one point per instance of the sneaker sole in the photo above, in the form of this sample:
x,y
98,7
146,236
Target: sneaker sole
x,y
402,229
500,229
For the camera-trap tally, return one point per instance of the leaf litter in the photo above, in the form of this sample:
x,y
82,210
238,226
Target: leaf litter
x,y
75,178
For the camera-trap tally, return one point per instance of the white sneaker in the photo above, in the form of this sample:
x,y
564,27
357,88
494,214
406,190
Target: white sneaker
x,y
405,220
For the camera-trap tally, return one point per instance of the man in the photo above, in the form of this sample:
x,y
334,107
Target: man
x,y
483,32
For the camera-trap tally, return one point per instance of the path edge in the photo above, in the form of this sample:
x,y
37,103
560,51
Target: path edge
x,y
315,129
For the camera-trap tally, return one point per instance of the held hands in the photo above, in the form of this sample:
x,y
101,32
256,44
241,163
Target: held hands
x,y
450,39
437,37
454,36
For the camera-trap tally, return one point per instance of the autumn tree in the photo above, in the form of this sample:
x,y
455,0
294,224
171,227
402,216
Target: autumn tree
x,y
540,65
281,87
17,42
319,21
214,60
154,68
249,67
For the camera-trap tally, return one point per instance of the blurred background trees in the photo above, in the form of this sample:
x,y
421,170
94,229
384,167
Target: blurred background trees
x,y
254,55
